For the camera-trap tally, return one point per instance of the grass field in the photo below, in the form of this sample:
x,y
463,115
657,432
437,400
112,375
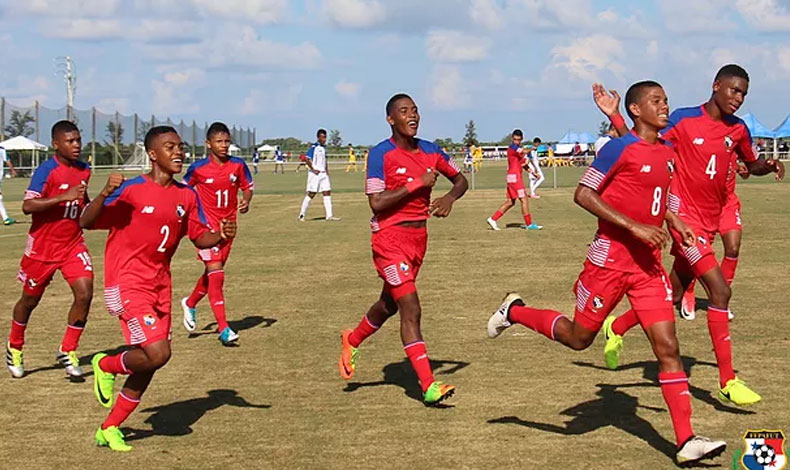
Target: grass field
x,y
277,401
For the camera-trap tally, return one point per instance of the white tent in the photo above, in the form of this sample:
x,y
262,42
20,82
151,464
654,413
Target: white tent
x,y
234,149
21,143
266,148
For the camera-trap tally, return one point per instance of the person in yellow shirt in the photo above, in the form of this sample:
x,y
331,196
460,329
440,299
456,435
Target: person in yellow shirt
x,y
352,159
365,169
477,157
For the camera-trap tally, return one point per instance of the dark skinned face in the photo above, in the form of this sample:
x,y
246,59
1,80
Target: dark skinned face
x,y
167,153
729,93
404,117
517,139
652,108
322,139
219,144
68,145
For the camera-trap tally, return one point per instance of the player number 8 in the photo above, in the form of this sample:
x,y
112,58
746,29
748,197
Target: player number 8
x,y
656,207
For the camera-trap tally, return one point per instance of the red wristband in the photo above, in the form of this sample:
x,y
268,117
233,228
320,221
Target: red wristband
x,y
414,185
617,120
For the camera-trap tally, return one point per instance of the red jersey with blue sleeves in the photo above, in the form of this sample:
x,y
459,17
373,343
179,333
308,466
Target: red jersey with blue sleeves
x,y
633,177
218,186
515,162
146,223
390,167
705,150
56,231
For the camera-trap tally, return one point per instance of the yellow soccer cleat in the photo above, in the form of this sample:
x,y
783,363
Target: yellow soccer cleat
x,y
738,393
112,437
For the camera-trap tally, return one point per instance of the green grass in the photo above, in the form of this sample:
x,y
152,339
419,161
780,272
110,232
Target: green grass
x,y
292,287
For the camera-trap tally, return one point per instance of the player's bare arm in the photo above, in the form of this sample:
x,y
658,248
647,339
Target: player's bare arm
x,y
591,201
74,193
442,206
11,167
609,104
761,166
93,210
244,204
674,222
227,229
386,199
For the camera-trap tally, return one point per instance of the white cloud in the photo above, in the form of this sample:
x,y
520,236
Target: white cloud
x,y
173,94
456,46
585,57
258,11
355,14
111,105
684,16
783,59
83,28
24,89
347,89
448,89
72,8
486,13
258,101
156,30
765,15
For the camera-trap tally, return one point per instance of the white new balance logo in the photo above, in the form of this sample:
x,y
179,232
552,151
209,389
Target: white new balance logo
x,y
645,169
209,180
148,210
699,141
401,171
64,186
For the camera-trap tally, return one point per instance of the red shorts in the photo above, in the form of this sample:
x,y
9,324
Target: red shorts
x,y
731,215
218,253
696,260
516,190
144,315
599,290
36,275
398,252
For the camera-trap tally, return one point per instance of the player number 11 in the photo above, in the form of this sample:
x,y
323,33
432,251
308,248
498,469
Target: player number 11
x,y
220,195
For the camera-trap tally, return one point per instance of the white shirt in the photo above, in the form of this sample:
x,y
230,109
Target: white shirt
x,y
601,142
317,155
3,158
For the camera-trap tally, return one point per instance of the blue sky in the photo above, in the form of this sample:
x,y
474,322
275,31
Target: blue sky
x,y
288,67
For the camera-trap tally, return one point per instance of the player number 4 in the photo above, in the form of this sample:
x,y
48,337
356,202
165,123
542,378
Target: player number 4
x,y
655,208
165,231
711,169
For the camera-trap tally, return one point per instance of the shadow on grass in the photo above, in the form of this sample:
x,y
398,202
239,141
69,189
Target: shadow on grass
x,y
245,323
650,372
518,226
177,418
84,360
402,375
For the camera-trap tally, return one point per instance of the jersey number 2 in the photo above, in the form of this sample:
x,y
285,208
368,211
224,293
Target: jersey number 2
x,y
165,231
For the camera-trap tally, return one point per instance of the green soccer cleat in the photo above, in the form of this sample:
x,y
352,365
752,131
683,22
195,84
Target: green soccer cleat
x,y
14,360
614,344
437,393
112,437
9,221
103,383
738,393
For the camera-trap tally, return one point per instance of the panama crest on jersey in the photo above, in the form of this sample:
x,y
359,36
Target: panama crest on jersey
x,y
404,267
180,211
671,167
233,178
597,303
728,142
149,320
764,450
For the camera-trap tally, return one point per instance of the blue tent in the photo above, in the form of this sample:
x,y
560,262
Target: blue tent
x,y
572,137
756,128
784,129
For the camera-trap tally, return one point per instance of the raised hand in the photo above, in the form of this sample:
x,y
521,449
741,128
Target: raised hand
x,y
608,102
114,181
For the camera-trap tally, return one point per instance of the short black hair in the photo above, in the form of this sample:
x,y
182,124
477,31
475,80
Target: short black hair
x,y
320,132
731,70
396,97
61,127
217,128
517,133
536,140
155,132
636,92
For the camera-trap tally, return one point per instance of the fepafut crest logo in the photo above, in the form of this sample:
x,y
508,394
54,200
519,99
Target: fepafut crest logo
x,y
764,450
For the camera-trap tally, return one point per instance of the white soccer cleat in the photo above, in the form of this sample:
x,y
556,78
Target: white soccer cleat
x,y
498,321
730,315
14,361
334,219
301,218
492,223
698,449
688,305
70,362
190,314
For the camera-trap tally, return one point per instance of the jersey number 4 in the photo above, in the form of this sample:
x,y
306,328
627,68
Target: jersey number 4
x,y
711,169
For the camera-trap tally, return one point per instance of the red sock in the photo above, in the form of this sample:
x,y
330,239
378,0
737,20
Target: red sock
x,y
719,328
17,336
675,388
216,281
728,266
535,319
114,364
362,331
418,356
625,322
200,291
497,215
71,339
120,411
528,219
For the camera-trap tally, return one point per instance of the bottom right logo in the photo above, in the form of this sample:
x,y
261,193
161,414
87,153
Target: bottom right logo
x,y
764,450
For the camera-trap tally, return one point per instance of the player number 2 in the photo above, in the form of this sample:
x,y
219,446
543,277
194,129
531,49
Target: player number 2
x,y
220,195
71,210
655,208
165,231
711,169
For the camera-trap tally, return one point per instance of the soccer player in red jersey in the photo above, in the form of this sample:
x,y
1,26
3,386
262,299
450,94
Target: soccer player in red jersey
x,y
147,216
218,178
402,171
626,188
55,198
705,138
516,161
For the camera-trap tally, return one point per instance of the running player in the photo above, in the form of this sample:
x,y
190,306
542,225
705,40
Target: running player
x,y
536,177
626,188
402,171
704,137
55,198
218,179
516,161
317,177
5,161
147,216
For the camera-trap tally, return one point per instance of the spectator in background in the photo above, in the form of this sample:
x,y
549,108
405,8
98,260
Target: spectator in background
x,y
783,149
279,160
468,161
477,157
255,159
606,137
352,159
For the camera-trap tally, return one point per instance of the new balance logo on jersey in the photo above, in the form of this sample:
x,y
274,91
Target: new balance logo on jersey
x,y
148,210
64,186
645,169
209,180
699,141
401,171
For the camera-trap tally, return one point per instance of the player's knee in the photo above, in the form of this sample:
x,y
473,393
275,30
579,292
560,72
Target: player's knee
x,y
83,295
732,251
29,302
158,357
667,350
720,295
580,343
